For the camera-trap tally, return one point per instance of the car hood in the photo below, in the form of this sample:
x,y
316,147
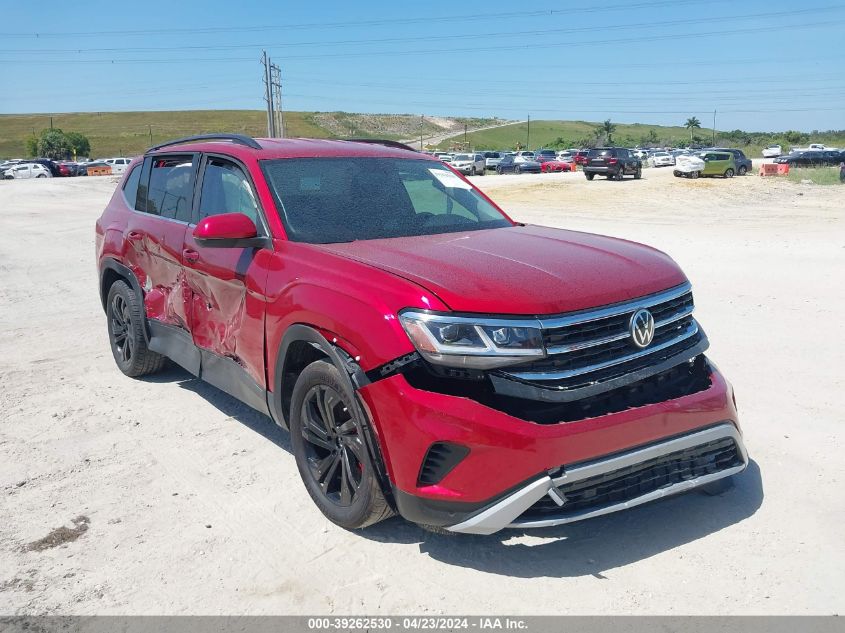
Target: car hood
x,y
522,269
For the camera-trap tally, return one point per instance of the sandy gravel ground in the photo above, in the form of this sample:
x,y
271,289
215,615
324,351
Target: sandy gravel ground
x,y
175,498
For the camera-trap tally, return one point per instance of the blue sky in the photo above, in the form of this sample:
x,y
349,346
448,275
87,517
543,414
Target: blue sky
x,y
762,65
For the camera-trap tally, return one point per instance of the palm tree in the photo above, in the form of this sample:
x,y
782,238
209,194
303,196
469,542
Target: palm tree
x,y
692,124
608,128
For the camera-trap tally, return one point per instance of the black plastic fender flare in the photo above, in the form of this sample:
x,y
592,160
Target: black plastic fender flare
x,y
125,272
355,378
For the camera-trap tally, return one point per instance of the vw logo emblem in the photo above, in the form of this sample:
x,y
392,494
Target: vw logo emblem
x,y
642,328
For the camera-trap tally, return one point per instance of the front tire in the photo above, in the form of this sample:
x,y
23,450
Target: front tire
x,y
517,170
742,170
639,173
729,173
331,452
125,317
589,176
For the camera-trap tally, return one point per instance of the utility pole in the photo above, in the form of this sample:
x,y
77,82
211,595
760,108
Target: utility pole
x,y
422,121
714,128
528,139
151,135
276,95
268,95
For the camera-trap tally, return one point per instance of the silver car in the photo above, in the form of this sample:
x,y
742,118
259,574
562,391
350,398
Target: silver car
x,y
492,159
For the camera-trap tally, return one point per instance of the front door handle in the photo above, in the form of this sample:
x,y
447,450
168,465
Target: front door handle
x,y
190,255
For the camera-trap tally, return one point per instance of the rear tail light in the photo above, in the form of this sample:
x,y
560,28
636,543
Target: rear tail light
x,y
611,161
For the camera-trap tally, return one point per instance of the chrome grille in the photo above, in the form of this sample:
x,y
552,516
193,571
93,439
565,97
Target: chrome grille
x,y
595,345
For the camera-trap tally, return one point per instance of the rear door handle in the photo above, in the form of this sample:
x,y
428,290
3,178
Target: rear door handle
x,y
190,255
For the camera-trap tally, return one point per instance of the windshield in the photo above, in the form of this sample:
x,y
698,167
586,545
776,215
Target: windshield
x,y
463,157
328,200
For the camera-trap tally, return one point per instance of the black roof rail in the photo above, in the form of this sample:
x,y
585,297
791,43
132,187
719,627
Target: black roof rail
x,y
380,141
240,139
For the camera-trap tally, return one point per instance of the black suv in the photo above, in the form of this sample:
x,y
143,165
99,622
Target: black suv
x,y
613,162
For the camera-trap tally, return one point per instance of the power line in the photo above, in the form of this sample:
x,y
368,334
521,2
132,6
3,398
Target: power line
x,y
475,17
615,41
462,36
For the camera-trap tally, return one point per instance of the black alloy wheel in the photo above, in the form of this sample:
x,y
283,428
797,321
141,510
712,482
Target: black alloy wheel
x,y
329,442
333,446
120,322
125,323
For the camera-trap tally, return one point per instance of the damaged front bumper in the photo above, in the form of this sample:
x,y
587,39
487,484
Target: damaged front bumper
x,y
516,458
515,510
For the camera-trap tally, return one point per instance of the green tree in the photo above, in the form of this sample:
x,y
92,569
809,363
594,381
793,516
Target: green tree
x,y
32,146
53,144
792,136
692,124
608,129
78,144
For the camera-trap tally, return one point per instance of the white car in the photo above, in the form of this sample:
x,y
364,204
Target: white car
x,y
772,151
661,159
524,157
27,170
688,166
492,159
469,164
118,165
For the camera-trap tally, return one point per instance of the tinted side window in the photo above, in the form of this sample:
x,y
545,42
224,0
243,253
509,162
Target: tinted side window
x,y
226,189
130,186
171,187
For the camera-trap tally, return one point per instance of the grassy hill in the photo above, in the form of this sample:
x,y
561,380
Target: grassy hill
x,y
128,133
566,134
573,133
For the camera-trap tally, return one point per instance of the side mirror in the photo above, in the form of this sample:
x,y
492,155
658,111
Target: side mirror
x,y
227,230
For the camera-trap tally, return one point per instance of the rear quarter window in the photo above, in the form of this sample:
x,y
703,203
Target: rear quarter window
x,y
130,186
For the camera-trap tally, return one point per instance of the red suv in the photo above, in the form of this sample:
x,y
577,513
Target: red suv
x,y
430,356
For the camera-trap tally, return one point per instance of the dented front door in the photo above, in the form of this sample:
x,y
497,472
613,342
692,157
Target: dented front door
x,y
227,284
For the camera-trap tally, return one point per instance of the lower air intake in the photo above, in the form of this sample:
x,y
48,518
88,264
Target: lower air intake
x,y
439,461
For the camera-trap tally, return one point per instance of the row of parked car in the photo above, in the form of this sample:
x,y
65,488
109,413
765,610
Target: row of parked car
x,y
18,168
509,162
813,158
613,162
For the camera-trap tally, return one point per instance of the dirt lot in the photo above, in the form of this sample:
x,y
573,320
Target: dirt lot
x,y
174,498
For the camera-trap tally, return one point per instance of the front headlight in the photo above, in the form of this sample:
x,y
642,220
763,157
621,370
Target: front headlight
x,y
477,343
